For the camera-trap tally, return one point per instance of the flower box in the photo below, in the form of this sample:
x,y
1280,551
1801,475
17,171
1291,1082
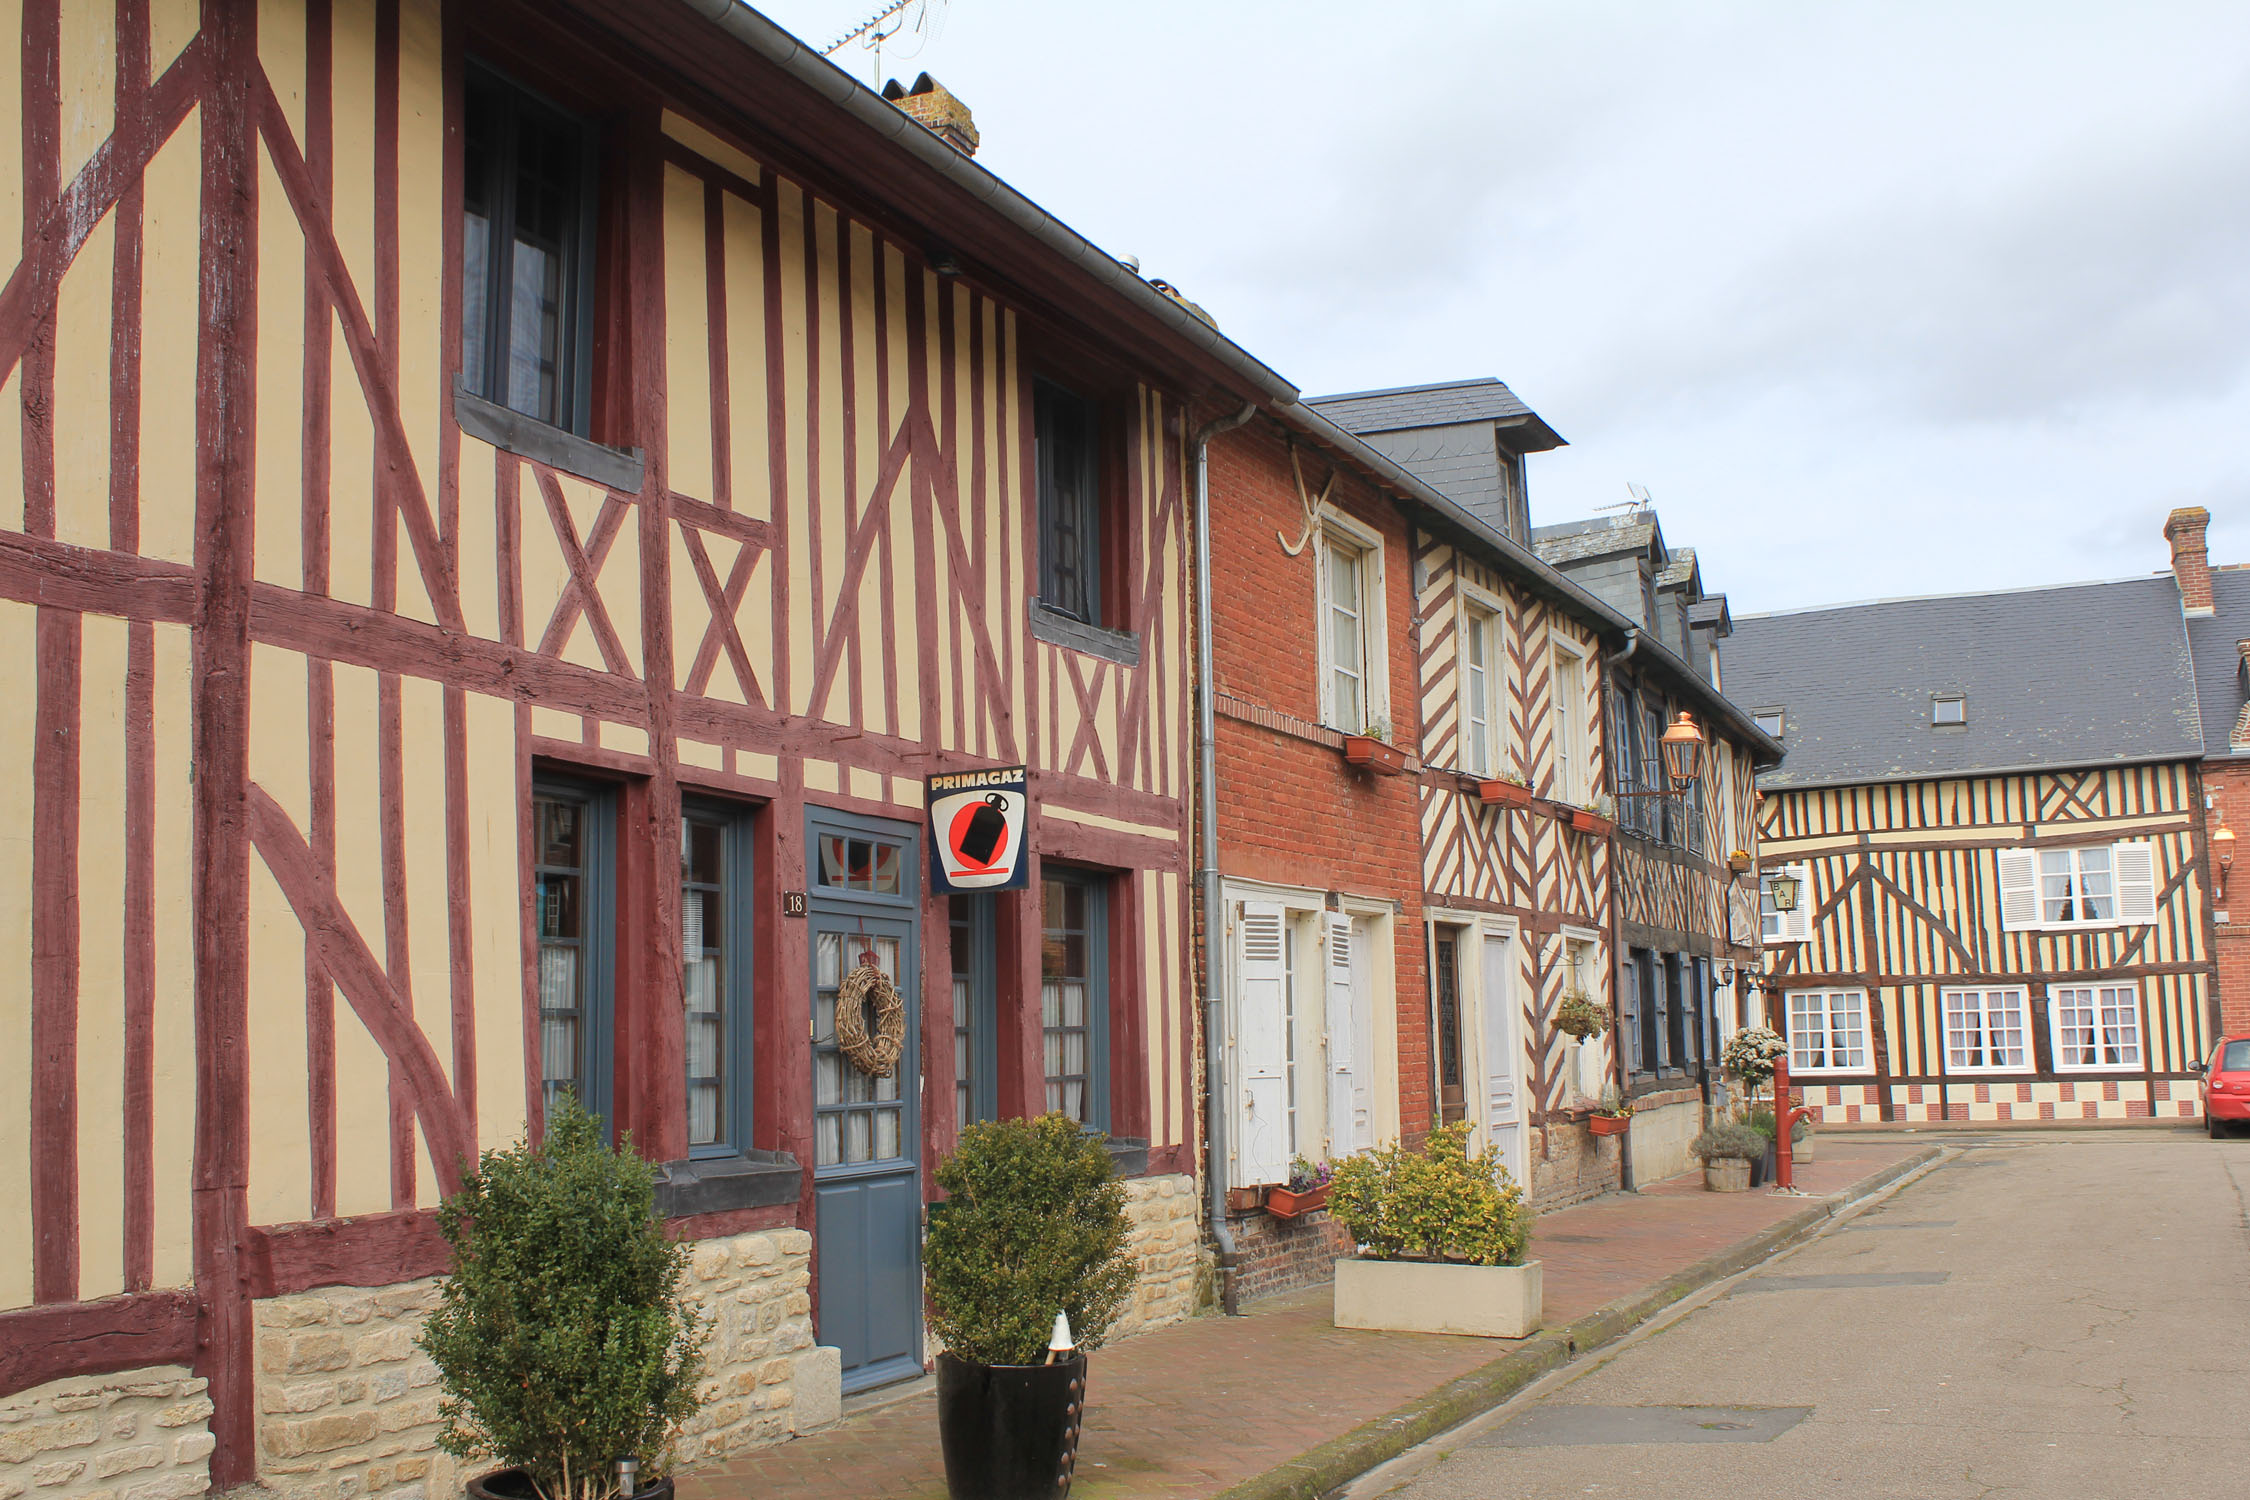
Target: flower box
x,y
1607,1124
1420,1296
1504,793
1370,753
1283,1203
1739,862
1585,820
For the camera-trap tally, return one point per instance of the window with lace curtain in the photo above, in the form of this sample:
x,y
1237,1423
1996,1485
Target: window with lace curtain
x,y
715,974
573,915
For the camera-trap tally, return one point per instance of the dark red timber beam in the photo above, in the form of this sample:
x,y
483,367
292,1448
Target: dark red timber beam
x,y
62,1340
225,476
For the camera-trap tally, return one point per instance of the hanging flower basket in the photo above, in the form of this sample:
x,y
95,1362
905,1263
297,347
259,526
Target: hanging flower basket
x,y
1501,792
1372,754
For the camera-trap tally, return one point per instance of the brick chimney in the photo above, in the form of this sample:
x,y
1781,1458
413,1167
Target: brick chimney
x,y
2191,560
933,106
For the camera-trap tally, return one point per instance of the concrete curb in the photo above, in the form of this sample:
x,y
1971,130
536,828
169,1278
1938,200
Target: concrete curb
x,y
1337,1462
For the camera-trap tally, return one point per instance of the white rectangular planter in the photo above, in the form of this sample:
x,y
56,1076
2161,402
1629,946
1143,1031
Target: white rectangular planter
x,y
1414,1296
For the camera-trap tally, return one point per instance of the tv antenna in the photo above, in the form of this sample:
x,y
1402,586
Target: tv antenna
x,y
1640,500
880,27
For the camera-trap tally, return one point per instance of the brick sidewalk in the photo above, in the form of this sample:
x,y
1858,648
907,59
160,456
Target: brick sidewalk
x,y
1193,1409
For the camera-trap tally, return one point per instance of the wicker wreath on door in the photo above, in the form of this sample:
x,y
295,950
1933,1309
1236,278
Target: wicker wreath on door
x,y
876,1056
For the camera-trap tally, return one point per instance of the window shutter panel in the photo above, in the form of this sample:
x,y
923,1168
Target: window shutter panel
x,y
1350,1097
2135,864
1629,1013
1262,1155
2019,890
1499,1041
1799,924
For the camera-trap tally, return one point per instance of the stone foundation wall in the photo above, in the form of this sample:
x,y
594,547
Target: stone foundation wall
x,y
141,1435
348,1407
1281,1255
1166,1247
1569,1164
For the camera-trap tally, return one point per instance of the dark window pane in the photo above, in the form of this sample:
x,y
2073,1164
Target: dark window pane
x,y
1067,437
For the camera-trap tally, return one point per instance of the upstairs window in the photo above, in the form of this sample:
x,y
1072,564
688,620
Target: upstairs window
x,y
1795,925
1067,434
1569,715
527,254
1949,708
1354,693
1477,656
1768,720
2084,885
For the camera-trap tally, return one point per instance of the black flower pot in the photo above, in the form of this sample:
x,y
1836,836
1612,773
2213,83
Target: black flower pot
x,y
1010,1432
515,1484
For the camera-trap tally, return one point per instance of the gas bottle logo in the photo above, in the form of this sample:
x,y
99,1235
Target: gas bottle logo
x,y
977,828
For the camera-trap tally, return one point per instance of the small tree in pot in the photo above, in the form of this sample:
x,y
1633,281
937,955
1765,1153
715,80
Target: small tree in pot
x,y
1727,1150
1033,1225
561,1335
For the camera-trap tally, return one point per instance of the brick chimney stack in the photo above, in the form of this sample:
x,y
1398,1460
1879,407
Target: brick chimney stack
x,y
2191,560
932,105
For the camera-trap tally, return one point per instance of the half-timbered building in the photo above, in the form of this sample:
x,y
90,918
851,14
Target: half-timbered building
x,y
502,509
1684,911
1995,835
2216,604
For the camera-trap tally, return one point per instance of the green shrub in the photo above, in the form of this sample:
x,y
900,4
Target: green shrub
x,y
1762,1120
561,1334
1728,1140
1439,1203
1033,1224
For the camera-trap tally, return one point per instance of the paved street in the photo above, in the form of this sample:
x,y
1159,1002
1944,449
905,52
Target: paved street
x,y
2058,1316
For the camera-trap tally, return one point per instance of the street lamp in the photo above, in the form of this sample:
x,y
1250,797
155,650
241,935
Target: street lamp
x,y
2222,841
1683,750
1781,889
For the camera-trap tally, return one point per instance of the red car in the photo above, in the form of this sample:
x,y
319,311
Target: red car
x,y
2226,1085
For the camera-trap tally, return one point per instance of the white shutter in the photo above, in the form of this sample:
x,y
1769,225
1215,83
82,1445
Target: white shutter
x,y
1262,1126
2019,890
1798,924
1348,1094
1499,1038
2135,865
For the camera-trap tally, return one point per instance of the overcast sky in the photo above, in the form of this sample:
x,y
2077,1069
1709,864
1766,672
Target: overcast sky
x,y
1874,299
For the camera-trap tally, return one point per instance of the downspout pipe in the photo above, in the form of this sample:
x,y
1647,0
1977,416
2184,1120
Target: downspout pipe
x,y
1618,658
1207,877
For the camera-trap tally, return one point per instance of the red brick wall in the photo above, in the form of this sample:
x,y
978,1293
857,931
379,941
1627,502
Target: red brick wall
x,y
2229,789
1290,810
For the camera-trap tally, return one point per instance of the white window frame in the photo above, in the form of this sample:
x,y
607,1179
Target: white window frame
x,y
2100,998
1480,615
2133,875
1573,737
1848,1004
1956,999
1793,926
1374,645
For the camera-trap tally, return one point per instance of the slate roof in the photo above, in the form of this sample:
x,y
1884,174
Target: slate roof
x,y
1571,541
1441,405
2219,678
2077,675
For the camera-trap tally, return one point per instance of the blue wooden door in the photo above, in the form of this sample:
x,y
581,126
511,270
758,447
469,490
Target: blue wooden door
x,y
866,1178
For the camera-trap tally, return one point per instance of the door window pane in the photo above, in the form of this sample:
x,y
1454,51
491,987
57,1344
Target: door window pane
x,y
704,966
858,1118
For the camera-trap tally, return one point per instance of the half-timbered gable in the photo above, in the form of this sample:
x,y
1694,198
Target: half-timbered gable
x,y
1685,916
2002,909
502,509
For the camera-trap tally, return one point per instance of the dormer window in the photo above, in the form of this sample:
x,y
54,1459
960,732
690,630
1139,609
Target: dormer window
x,y
1949,708
1768,720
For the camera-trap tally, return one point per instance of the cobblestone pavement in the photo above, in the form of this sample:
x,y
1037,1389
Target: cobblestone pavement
x,y
2052,1315
1200,1406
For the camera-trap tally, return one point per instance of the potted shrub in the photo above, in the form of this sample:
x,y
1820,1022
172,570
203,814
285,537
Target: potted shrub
x,y
1373,751
1508,789
1033,1225
1441,1237
561,1336
1577,1015
1727,1150
1306,1192
1612,1114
